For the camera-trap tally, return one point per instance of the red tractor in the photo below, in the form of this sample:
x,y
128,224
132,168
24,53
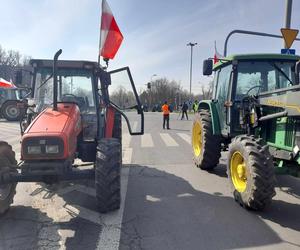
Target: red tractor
x,y
74,119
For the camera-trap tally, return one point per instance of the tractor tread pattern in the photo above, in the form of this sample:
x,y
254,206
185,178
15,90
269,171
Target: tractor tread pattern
x,y
262,175
7,164
108,167
209,159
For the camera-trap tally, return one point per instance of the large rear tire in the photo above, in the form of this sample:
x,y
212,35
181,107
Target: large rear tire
x,y
11,111
206,146
7,165
250,171
108,168
117,129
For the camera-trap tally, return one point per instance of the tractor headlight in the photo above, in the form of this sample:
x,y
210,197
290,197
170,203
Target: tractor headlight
x,y
43,147
34,150
52,149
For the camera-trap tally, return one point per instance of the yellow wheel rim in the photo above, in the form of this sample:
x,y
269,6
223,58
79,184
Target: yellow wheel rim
x,y
238,171
197,138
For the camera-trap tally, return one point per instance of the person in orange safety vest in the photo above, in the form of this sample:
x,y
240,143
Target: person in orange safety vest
x,y
166,114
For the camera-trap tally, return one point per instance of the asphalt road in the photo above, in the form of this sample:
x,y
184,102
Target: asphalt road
x,y
167,203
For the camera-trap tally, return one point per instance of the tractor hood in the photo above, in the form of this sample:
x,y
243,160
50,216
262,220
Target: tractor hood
x,y
51,127
50,121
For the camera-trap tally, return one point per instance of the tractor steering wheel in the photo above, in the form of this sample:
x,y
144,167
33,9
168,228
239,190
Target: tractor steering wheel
x,y
80,101
69,95
254,87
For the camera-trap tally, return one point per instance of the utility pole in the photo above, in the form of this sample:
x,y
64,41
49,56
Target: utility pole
x,y
191,65
288,15
150,89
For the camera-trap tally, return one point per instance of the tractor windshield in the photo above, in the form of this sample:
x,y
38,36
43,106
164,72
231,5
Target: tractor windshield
x,y
74,85
260,76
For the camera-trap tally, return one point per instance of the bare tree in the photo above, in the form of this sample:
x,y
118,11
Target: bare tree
x,y
207,90
123,98
10,61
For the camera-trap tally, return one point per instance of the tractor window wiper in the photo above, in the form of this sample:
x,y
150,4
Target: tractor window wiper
x,y
282,72
45,81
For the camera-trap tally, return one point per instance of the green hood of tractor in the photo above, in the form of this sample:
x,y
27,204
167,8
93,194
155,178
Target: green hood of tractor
x,y
254,57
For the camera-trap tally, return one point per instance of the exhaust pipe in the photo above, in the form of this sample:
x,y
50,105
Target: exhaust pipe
x,y
55,85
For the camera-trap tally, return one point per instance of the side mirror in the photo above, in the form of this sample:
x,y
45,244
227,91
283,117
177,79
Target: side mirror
x,y
207,67
18,77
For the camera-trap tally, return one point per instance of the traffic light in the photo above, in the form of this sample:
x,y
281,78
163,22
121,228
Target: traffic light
x,y
149,85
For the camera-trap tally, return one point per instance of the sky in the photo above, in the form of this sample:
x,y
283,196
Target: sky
x,y
155,32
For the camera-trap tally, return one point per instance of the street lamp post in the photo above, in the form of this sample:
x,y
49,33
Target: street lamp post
x,y
288,14
191,65
150,96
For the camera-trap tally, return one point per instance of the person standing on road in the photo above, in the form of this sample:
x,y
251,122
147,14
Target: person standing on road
x,y
195,106
184,111
166,114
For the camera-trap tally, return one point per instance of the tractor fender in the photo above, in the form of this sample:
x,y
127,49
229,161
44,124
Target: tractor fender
x,y
211,106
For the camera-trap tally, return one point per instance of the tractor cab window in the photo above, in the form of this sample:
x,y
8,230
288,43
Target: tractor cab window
x,y
260,76
74,85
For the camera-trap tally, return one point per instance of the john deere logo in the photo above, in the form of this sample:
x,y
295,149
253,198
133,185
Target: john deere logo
x,y
276,103
283,105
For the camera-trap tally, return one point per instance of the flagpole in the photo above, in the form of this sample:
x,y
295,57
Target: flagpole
x,y
99,52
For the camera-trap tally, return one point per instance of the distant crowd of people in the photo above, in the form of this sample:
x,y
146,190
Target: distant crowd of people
x,y
184,112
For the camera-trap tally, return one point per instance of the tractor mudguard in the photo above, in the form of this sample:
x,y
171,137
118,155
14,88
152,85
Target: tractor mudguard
x,y
211,106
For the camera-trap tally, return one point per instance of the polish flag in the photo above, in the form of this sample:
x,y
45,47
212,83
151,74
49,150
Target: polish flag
x,y
217,55
110,36
6,84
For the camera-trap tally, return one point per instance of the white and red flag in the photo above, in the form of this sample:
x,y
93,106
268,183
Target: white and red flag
x,y
6,84
110,35
217,55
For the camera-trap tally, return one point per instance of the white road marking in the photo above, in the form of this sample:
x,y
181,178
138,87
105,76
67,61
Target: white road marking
x,y
168,140
185,137
127,155
126,138
134,126
146,141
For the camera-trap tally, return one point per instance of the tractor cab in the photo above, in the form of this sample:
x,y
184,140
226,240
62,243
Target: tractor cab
x,y
239,78
75,84
84,84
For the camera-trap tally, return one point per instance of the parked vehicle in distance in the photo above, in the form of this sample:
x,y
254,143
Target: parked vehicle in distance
x,y
156,108
10,96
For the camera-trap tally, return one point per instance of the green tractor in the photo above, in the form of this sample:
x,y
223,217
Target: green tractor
x,y
254,114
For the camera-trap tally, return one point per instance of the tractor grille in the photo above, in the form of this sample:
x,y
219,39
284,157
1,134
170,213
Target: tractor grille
x,y
42,142
289,135
297,134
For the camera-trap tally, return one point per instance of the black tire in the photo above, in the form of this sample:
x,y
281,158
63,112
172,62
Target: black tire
x,y
117,129
259,175
209,145
108,168
7,164
11,112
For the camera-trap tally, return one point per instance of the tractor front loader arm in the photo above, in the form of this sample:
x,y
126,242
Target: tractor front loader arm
x,y
287,99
